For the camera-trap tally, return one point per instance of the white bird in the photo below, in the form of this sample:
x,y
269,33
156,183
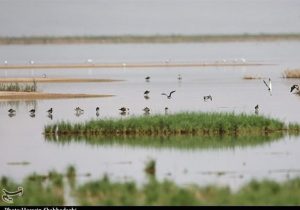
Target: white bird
x,y
31,62
269,86
5,62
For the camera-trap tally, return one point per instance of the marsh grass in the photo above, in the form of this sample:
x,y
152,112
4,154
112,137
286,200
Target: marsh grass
x,y
150,167
291,73
104,192
48,190
187,123
38,189
19,87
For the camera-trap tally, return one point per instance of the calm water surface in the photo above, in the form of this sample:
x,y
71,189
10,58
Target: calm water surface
x,y
22,139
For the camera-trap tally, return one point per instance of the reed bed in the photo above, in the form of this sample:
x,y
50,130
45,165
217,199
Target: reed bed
x,y
291,73
250,77
187,123
19,87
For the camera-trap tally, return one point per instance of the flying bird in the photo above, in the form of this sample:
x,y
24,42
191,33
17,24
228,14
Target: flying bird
x,y
269,86
294,87
170,94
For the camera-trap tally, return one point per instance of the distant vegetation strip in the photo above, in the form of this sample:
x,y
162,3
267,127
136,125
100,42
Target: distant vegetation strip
x,y
17,87
50,189
187,123
146,39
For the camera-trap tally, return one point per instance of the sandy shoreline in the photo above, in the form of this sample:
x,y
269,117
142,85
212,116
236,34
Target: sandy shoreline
x,y
40,95
125,65
53,80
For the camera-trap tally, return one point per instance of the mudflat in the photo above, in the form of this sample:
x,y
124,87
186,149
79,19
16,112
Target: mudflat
x,y
40,95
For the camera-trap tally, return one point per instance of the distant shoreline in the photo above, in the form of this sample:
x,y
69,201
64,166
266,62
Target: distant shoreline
x,y
123,39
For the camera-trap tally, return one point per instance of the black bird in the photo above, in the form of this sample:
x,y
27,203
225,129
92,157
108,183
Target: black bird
x,y
205,98
170,94
146,92
179,77
12,111
50,116
32,111
146,110
77,109
256,109
50,111
147,78
124,109
294,87
97,109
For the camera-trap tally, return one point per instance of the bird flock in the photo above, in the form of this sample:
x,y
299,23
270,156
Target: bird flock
x,y
125,110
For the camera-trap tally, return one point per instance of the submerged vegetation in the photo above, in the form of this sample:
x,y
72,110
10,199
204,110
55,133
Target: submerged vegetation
x,y
187,123
17,87
147,39
49,190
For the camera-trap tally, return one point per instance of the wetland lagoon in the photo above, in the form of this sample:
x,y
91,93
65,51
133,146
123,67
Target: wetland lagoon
x,y
220,151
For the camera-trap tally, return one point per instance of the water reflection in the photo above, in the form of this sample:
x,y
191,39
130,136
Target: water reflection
x,y
12,114
18,103
50,116
177,142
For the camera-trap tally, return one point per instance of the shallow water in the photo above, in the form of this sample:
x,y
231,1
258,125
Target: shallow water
x,y
22,139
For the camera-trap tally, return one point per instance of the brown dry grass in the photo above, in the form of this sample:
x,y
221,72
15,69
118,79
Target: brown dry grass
x,y
53,80
291,73
252,77
41,95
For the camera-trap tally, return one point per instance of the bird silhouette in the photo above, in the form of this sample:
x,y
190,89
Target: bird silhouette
x,y
50,111
256,109
205,98
269,86
147,79
294,87
146,92
170,94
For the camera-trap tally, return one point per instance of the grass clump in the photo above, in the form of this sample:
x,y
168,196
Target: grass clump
x,y
186,123
291,73
38,190
17,87
266,192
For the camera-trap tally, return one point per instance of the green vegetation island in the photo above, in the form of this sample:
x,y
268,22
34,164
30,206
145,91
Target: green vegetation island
x,y
179,124
176,38
62,189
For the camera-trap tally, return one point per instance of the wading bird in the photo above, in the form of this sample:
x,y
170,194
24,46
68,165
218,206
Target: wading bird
x,y
269,86
256,109
146,110
32,111
166,110
12,111
50,110
179,77
170,94
146,92
205,98
294,87
147,79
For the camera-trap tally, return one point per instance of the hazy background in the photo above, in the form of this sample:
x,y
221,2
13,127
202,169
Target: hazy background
x,y
116,17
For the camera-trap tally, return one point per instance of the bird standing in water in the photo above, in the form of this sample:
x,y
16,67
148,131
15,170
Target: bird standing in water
x,y
294,87
269,86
